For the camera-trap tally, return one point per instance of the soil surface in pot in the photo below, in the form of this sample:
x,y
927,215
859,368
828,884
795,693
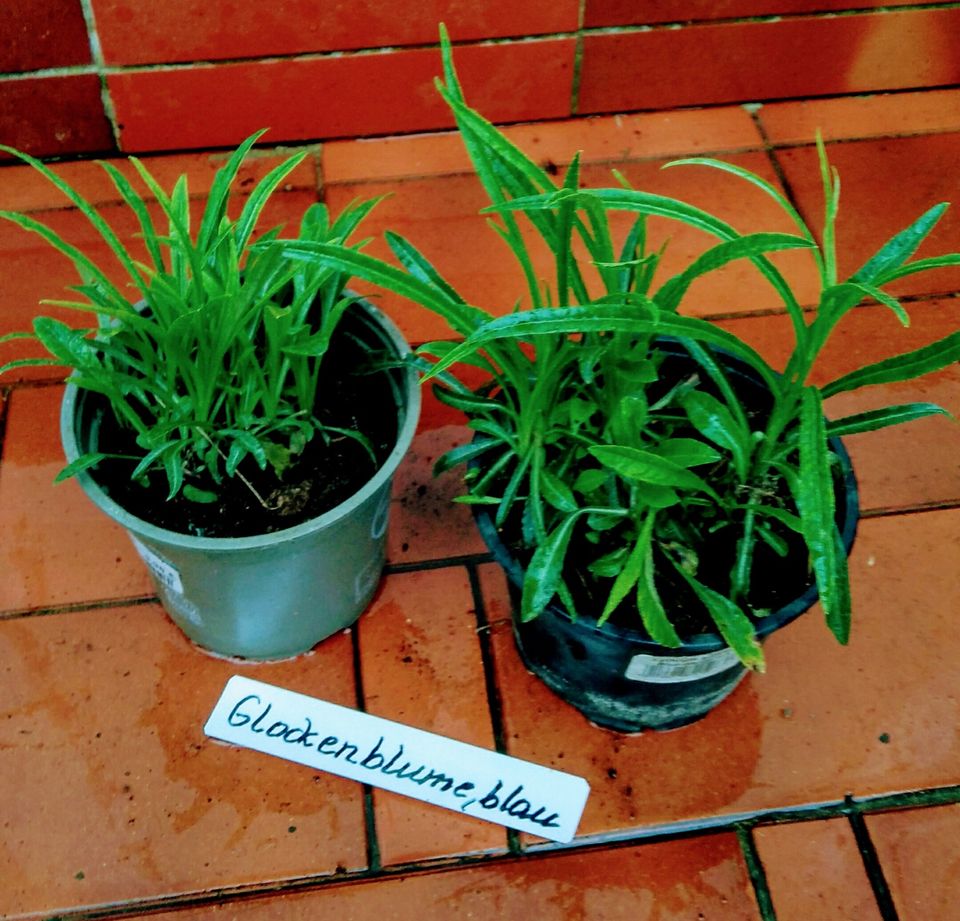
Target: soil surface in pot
x,y
327,472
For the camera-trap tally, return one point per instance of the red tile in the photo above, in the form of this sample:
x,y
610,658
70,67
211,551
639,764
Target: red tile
x,y
138,32
425,522
421,666
884,115
769,60
56,547
627,12
877,716
906,466
919,851
335,96
36,35
113,793
49,116
698,878
607,139
886,185
814,870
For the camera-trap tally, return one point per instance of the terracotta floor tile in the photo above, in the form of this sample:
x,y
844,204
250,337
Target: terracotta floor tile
x,y
111,790
421,666
699,878
919,851
814,870
886,185
905,466
425,522
880,715
56,547
608,139
849,117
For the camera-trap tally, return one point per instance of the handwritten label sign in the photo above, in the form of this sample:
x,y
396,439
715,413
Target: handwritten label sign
x,y
425,766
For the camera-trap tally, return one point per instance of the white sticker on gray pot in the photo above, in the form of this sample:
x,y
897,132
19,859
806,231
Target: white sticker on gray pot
x,y
165,573
425,766
676,669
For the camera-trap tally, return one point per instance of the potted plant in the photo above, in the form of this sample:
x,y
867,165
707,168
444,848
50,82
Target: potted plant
x,y
660,497
240,413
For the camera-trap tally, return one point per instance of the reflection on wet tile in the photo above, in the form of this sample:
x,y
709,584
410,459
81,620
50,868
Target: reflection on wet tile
x,y
919,850
676,881
421,666
814,870
56,547
111,790
880,714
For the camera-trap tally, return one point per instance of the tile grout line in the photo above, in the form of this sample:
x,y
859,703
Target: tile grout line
x,y
374,864
100,68
871,863
577,59
734,825
494,698
581,31
758,876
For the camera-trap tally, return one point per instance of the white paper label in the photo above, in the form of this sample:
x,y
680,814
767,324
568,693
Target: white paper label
x,y
675,669
422,765
165,573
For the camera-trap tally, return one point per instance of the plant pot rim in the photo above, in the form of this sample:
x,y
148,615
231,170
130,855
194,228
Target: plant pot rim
x,y
72,402
848,511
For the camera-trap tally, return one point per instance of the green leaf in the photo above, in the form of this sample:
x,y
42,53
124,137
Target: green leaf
x,y
556,492
903,367
817,511
194,494
84,462
542,577
688,452
734,626
647,467
881,418
899,248
714,421
462,454
651,608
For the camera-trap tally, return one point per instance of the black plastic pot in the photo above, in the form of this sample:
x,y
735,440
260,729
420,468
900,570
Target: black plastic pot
x,y
621,679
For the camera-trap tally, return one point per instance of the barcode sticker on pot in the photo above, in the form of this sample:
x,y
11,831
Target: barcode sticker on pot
x,y
165,573
674,669
422,765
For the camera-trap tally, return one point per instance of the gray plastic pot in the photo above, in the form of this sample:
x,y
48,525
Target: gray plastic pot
x,y
275,595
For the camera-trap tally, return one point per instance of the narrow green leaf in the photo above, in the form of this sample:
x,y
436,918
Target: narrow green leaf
x,y
542,577
556,492
714,421
899,248
647,467
84,462
903,367
874,419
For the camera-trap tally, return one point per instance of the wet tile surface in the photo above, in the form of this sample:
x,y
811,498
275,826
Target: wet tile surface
x,y
111,790
117,797
802,733
421,666
681,880
814,870
919,851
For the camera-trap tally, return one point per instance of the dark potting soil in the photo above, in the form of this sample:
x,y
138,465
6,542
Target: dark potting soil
x,y
330,469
